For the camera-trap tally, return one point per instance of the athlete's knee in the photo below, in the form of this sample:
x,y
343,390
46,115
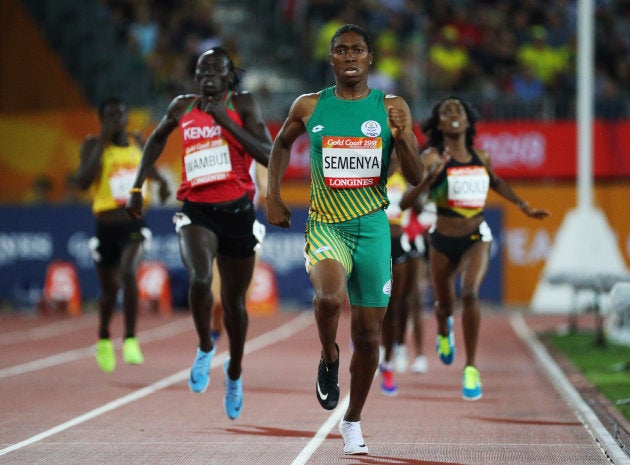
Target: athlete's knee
x,y
470,297
108,299
366,342
200,283
235,316
329,301
128,277
234,305
442,309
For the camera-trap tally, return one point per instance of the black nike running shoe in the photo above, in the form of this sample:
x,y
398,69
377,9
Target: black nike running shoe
x,y
327,386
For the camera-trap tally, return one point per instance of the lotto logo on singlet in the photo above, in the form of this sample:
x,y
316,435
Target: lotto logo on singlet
x,y
371,128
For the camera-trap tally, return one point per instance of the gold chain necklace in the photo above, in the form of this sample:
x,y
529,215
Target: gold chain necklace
x,y
367,91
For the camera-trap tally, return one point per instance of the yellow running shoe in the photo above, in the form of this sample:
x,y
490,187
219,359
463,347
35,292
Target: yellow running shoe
x,y
132,354
445,345
105,356
471,384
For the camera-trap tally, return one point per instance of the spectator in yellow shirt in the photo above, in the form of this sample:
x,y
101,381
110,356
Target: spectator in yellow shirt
x,y
546,62
448,60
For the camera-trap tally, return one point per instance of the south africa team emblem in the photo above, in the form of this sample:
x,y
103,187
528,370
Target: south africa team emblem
x,y
371,128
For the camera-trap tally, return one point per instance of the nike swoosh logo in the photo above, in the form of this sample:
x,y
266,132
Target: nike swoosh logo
x,y
186,123
321,395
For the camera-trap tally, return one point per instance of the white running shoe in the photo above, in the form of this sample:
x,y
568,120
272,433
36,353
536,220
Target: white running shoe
x,y
401,361
353,443
420,365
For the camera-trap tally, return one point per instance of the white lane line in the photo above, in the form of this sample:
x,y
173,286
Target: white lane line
x,y
584,413
293,326
49,330
47,362
155,334
322,432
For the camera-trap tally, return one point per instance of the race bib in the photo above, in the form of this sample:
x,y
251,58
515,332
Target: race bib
x,y
351,162
208,162
467,186
120,181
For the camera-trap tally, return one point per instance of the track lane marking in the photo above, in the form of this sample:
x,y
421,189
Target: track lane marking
x,y
150,335
588,418
568,392
322,432
56,328
288,329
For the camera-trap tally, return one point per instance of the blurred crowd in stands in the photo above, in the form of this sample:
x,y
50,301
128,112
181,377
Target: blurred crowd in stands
x,y
517,51
169,35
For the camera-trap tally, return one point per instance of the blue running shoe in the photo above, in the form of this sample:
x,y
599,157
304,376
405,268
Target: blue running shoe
x,y
233,401
200,371
445,345
471,384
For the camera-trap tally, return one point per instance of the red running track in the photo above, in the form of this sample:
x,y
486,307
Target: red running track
x,y
56,407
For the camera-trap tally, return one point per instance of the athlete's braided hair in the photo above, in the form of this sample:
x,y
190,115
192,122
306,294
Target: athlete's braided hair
x,y
435,138
353,28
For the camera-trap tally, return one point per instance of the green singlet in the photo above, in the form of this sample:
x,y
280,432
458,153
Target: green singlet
x,y
351,145
350,149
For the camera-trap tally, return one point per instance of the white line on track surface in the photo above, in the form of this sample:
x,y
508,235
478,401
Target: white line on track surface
x,y
155,334
584,413
286,330
49,330
322,432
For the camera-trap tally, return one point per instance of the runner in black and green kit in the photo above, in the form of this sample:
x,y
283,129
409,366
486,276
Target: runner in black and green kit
x,y
353,132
